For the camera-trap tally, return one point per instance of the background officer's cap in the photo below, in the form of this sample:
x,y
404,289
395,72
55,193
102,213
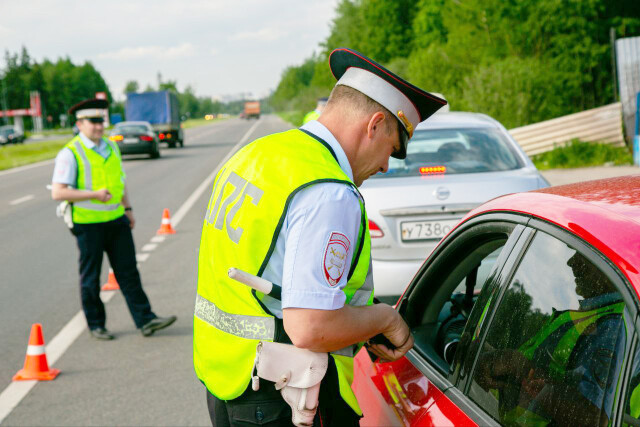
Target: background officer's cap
x,y
89,109
410,104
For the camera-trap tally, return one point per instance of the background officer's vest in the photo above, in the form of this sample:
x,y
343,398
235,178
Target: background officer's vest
x,y
551,349
311,115
249,202
95,173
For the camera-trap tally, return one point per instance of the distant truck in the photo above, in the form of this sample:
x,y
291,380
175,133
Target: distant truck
x,y
161,110
252,109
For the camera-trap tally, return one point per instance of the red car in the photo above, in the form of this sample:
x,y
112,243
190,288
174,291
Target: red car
x,y
526,313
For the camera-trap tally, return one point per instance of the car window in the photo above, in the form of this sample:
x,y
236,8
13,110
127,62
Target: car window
x,y
632,402
439,307
554,349
131,129
454,151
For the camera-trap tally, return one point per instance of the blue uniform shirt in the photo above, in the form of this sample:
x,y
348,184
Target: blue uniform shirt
x,y
65,170
320,229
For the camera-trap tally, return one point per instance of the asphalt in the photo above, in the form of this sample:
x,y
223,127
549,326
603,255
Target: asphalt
x,y
132,380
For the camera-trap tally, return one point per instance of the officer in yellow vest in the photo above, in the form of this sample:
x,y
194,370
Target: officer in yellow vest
x,y
286,208
315,114
88,173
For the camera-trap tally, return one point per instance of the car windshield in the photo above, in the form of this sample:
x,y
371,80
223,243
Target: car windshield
x,y
131,129
6,131
453,151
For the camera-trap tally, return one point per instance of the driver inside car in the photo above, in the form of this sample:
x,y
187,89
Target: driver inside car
x,y
562,375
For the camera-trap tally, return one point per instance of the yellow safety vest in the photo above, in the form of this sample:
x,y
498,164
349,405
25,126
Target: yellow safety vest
x,y
95,173
248,205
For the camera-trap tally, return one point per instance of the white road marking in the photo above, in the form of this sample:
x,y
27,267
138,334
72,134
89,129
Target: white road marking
x,y
25,167
207,182
142,257
16,391
149,247
158,239
21,199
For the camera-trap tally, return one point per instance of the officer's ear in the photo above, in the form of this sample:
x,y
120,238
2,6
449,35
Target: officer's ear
x,y
376,125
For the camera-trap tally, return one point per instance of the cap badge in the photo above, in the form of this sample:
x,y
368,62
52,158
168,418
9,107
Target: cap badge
x,y
407,123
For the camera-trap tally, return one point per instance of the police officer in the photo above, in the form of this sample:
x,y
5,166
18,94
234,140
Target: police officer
x,y
88,173
286,208
315,114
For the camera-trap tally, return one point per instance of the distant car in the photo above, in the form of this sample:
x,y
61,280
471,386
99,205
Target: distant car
x,y
10,134
136,138
455,162
526,314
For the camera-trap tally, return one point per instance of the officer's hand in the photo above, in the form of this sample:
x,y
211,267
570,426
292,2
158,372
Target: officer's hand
x,y
400,337
103,195
132,220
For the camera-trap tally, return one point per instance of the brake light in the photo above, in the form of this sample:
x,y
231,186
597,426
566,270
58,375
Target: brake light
x,y
161,136
374,230
430,170
116,138
146,138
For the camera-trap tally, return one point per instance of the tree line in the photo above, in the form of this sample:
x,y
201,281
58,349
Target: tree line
x,y
519,61
63,84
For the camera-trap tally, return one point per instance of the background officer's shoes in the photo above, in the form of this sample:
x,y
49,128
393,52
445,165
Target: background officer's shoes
x,y
101,334
156,324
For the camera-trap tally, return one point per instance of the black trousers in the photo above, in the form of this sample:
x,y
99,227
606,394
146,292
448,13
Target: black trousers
x,y
266,407
114,238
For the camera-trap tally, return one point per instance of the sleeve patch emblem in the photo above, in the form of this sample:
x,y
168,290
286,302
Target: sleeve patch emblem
x,y
335,258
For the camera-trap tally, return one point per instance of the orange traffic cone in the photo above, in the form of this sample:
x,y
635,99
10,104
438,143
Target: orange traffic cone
x,y
35,364
112,283
166,228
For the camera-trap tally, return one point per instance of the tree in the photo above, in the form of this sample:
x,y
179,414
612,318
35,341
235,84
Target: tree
x,y
131,87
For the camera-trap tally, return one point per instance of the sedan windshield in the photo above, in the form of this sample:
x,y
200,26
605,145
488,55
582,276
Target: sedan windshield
x,y
131,129
454,151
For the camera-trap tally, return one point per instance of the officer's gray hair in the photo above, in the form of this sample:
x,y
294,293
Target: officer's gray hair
x,y
353,102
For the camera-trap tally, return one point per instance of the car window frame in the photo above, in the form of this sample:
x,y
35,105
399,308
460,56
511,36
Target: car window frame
x,y
447,383
611,271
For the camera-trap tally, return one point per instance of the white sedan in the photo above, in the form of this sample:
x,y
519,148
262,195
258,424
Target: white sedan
x,y
455,162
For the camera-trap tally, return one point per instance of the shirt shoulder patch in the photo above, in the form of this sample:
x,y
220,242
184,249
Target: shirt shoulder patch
x,y
334,258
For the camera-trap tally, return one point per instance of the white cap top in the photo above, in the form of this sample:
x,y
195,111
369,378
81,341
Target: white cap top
x,y
89,113
384,93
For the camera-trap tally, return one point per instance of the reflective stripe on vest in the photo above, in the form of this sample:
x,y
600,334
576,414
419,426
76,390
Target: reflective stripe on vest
x,y
248,205
96,172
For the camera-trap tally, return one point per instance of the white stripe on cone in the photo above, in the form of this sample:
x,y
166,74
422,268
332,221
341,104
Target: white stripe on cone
x,y
166,221
35,350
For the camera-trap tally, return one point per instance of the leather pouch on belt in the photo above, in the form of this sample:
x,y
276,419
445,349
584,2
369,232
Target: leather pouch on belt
x,y
296,372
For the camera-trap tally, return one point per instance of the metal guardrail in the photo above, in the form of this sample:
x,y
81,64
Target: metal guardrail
x,y
602,124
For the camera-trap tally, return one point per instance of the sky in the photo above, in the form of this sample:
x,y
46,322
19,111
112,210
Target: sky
x,y
220,48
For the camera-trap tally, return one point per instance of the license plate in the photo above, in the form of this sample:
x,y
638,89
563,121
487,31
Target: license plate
x,y
130,140
426,230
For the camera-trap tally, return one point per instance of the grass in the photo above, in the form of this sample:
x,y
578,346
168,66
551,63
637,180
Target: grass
x,y
12,156
579,154
293,117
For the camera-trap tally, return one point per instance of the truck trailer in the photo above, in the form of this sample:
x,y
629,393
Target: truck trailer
x,y
161,110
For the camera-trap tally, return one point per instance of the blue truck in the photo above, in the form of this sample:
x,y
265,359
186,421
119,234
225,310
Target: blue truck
x,y
161,110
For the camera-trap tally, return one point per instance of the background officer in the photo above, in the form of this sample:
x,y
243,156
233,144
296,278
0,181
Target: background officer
x,y
286,207
313,115
88,173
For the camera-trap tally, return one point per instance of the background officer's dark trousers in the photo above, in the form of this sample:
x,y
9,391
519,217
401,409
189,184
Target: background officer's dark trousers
x,y
114,238
266,407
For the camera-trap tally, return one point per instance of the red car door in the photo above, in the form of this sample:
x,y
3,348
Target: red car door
x,y
397,393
